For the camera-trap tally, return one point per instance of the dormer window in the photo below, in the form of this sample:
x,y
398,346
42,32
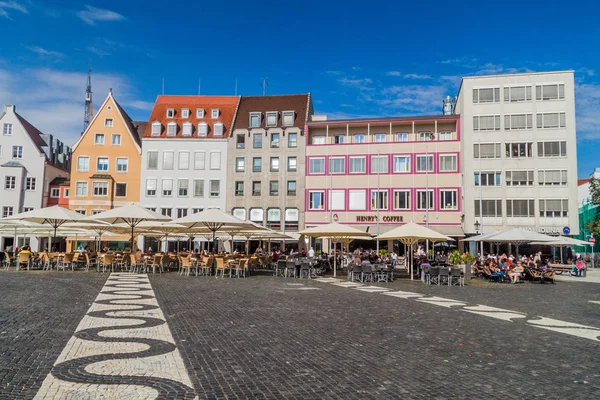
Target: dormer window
x,y
108,122
170,113
202,129
171,129
199,112
187,129
288,118
156,129
185,113
218,129
272,117
214,113
255,119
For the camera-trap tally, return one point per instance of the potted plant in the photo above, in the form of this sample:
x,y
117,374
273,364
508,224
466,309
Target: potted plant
x,y
455,258
468,261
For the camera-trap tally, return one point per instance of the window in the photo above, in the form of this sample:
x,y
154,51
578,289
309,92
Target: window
x,y
445,135
337,199
55,193
170,113
171,129
257,142
518,121
120,190
197,210
379,199
182,212
67,193
17,151
83,163
122,164
554,208
274,164
488,178
359,138
239,164
425,136
520,208
318,140
491,208
274,188
552,177
30,184
7,129
291,188
81,189
257,164
152,160
519,150
199,158
401,164
100,189
82,212
116,139
292,164
99,139
272,117
448,163
7,211
239,188
256,188
424,199
316,200
25,209
339,139
357,200
337,165
202,129
215,188
379,164
187,129
102,164
552,149
517,93
380,138
448,200
108,122
182,187
316,165
166,212
185,113
255,119
425,163
150,187
215,160
168,157
292,140
214,113
184,160
401,199
288,118
487,150
240,141
486,95
275,140
199,112
198,187
401,136
550,92
156,129
167,187
486,123
358,165
551,120
519,178
219,129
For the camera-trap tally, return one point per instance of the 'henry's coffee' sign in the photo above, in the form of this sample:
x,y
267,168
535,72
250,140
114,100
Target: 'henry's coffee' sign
x,y
385,218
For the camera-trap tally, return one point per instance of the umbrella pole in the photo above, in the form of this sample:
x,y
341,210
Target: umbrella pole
x,y
54,238
334,261
213,241
132,250
561,257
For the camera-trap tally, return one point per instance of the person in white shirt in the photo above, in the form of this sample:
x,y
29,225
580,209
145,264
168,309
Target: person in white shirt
x,y
311,253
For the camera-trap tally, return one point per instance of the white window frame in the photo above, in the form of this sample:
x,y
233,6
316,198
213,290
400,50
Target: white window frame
x,y
255,114
156,129
509,122
148,167
185,113
81,189
419,156
215,160
380,138
385,203
542,124
172,128
199,160
198,188
445,135
425,136
99,185
497,150
187,128
407,195
122,171
455,156
454,205
164,189
495,95
116,192
288,114
358,138
215,193
386,164
183,186
563,213
218,129
508,97
477,123
318,139
311,200
7,129
67,193
168,158
563,177
214,113
202,129
98,164
539,92
560,148
108,123
99,142
271,114
401,136
399,156
311,170
113,137
364,164
431,196
151,182
170,113
509,147
497,178
183,161
17,152
199,112
81,158
331,170
55,193
510,181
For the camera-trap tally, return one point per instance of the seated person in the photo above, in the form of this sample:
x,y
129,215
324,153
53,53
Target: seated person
x,y
516,272
25,251
578,268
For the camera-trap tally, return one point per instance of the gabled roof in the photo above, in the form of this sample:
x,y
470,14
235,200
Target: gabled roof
x,y
300,103
582,181
33,132
13,164
60,181
227,106
130,124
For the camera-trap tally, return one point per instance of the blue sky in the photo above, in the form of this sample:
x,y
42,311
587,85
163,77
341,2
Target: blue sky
x,y
356,58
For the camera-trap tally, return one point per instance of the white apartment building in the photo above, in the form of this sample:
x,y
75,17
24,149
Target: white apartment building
x,y
519,155
29,161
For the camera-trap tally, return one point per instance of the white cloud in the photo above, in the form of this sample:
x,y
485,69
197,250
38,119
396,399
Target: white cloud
x,y
587,104
420,99
91,15
43,52
363,84
98,51
417,76
53,100
13,6
393,73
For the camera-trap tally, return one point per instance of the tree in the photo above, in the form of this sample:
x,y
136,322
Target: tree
x,y
594,225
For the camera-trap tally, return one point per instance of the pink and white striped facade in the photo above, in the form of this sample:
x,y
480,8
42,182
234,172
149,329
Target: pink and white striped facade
x,y
349,161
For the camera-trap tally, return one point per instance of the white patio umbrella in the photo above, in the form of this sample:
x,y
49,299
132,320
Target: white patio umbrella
x,y
157,228
409,234
337,233
131,216
563,241
518,236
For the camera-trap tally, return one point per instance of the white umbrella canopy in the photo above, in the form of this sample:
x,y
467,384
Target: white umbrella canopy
x,y
334,230
563,241
481,237
518,236
411,232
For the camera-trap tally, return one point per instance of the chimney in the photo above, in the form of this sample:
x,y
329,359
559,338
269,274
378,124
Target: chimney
x,y
110,92
9,108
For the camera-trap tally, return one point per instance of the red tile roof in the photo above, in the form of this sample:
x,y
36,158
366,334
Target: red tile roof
x,y
582,181
227,106
300,103
33,132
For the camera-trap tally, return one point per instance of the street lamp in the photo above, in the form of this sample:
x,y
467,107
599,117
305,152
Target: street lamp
x,y
477,226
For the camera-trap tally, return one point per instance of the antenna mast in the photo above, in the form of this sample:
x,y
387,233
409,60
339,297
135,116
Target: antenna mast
x,y
89,110
264,85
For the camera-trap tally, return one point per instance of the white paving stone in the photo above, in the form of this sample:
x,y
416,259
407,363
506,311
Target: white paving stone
x,y
494,312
